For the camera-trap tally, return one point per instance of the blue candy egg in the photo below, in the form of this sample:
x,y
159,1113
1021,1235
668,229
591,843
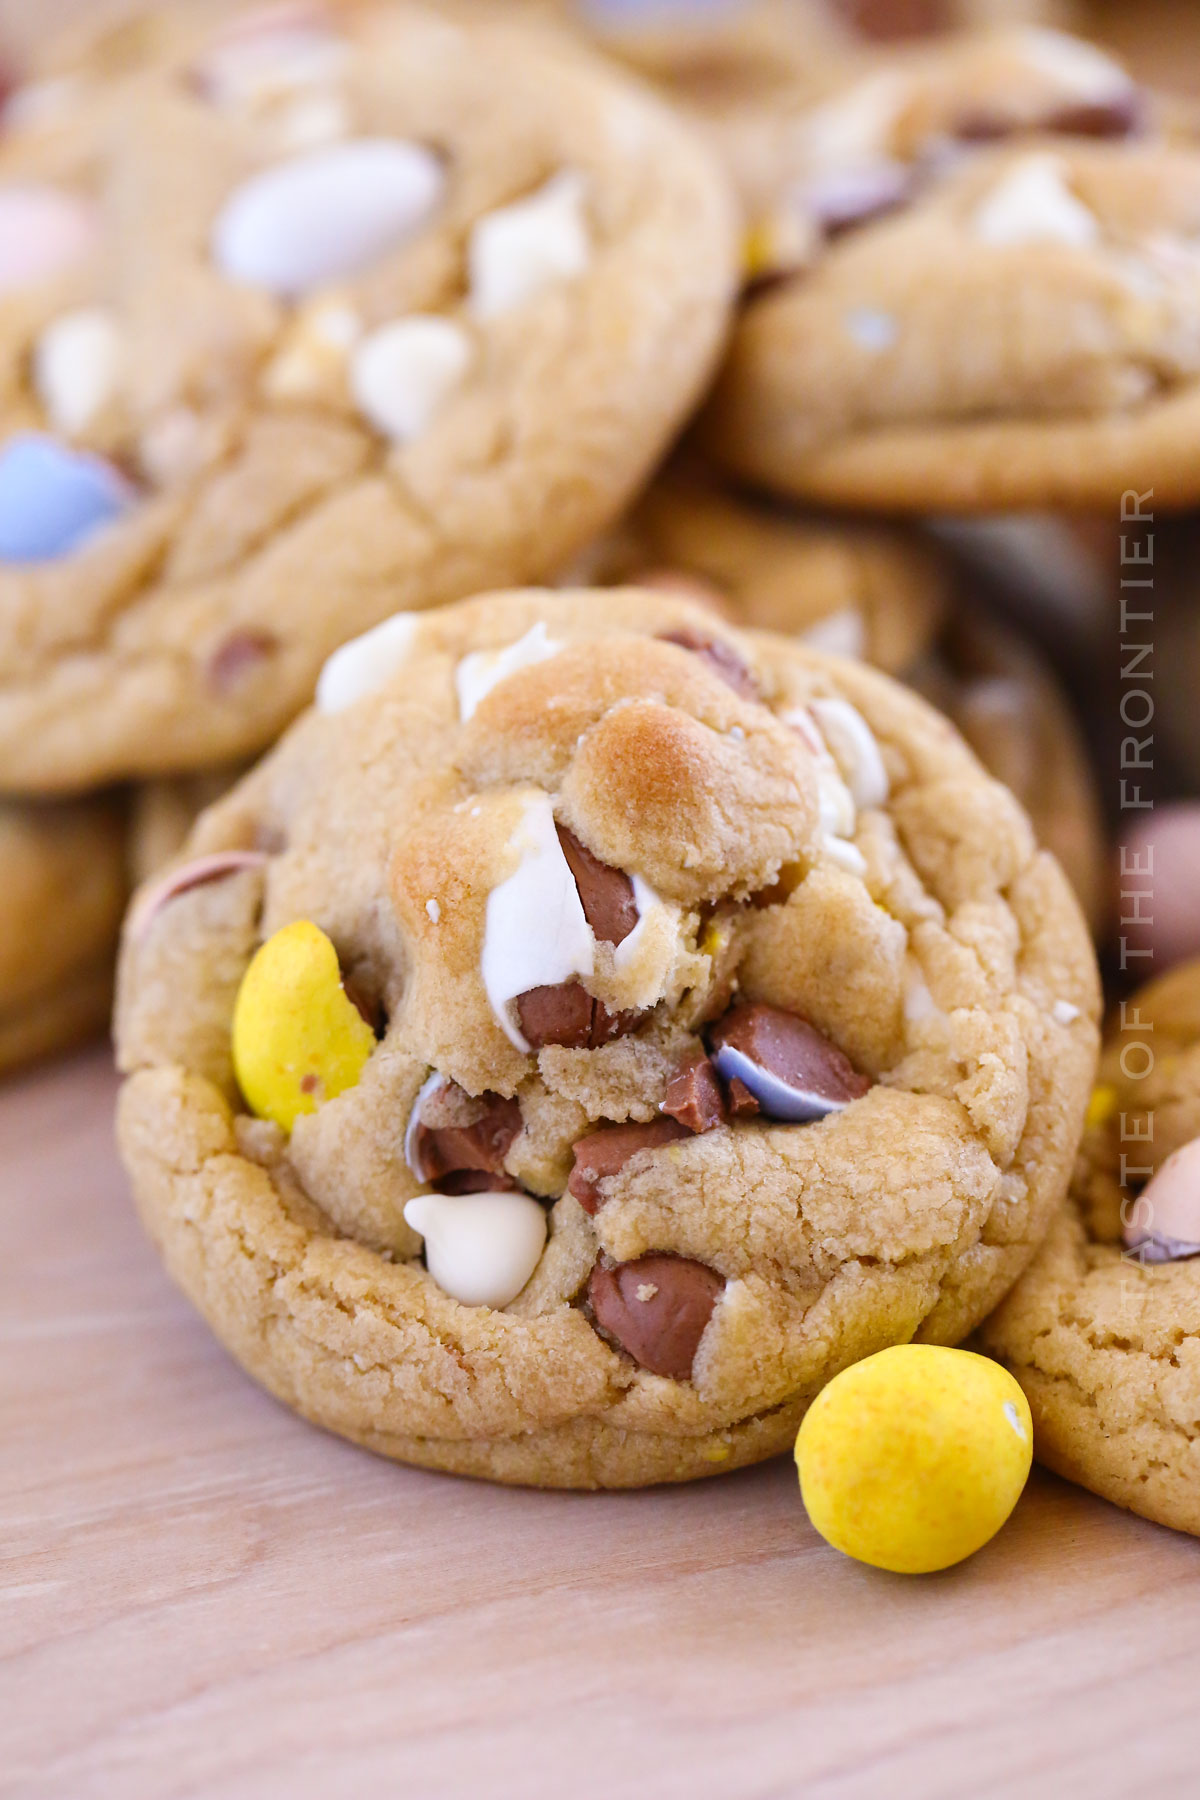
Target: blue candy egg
x,y
53,498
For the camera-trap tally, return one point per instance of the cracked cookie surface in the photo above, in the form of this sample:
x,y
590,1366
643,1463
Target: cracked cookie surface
x,y
1103,1331
703,1003
382,310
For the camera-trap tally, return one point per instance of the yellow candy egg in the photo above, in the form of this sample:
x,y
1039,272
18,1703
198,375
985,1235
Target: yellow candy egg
x,y
298,1040
914,1458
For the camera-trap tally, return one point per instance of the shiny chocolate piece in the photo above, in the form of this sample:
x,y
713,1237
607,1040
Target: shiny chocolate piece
x,y
720,657
657,1309
783,1063
605,894
240,654
605,1152
453,1134
694,1094
568,1016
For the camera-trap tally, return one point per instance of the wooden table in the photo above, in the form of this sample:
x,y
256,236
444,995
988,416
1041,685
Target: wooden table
x,y
203,1596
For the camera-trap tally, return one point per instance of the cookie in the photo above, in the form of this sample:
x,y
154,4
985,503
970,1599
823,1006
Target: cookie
x,y
853,587
641,1020
1008,328
378,318
1008,705
61,901
1103,1332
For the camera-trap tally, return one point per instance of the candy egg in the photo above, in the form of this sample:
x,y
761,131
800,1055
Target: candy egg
x,y
52,498
914,1458
1164,1222
480,1248
298,1039
42,232
325,215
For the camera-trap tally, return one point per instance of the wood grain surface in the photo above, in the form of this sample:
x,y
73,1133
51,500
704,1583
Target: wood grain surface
x,y
202,1596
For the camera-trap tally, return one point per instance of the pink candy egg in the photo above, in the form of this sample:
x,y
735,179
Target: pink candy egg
x,y
43,230
1158,880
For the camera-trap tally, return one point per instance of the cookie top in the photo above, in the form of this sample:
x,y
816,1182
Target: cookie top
x,y
375,312
1006,701
853,587
718,961
1070,276
1103,1332
61,901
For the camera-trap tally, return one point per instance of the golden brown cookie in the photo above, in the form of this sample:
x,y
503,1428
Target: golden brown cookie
x,y
1103,1332
378,309
853,587
61,897
644,1019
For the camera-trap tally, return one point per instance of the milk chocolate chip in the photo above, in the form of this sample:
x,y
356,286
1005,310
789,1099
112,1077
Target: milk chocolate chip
x,y
607,1151
605,894
656,1308
1122,116
720,657
783,1063
568,1016
694,1094
884,21
455,1136
241,652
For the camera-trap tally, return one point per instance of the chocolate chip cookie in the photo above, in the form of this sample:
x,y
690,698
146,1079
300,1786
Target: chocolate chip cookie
x,y
1103,1332
61,899
374,310
1011,325
591,1028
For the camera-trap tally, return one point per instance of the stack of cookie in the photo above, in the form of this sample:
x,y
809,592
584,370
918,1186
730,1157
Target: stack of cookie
x,y
612,1007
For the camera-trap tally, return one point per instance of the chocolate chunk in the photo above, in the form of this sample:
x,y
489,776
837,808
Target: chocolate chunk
x,y
783,1063
742,1104
694,1094
1122,116
605,894
720,657
241,652
568,1016
454,1131
475,1181
607,1151
656,1308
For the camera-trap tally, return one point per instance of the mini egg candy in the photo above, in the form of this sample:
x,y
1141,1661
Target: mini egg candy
x,y
298,1039
914,1458
43,230
52,499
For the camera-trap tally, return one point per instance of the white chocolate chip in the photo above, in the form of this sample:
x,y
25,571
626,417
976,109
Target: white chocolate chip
x,y
325,215
77,367
366,663
854,749
479,1248
519,250
847,855
841,633
310,121
434,911
919,1003
312,358
402,374
1034,205
482,670
1065,1013
536,933
1078,69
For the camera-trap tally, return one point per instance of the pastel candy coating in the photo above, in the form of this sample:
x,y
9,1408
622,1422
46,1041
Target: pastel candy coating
x,y
298,1039
43,230
52,499
913,1458
325,215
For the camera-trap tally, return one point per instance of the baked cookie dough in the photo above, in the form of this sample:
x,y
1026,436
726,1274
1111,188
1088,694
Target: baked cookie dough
x,y
642,1020
853,587
1005,328
1103,1332
1005,700
61,899
376,312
